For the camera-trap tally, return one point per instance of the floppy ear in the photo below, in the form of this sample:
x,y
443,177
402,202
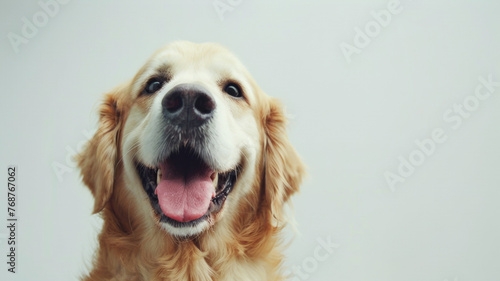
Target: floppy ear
x,y
98,159
283,169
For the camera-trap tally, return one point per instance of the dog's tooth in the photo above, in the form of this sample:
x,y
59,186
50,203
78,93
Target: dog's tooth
x,y
215,179
158,178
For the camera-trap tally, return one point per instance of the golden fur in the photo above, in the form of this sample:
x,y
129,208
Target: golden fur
x,y
242,245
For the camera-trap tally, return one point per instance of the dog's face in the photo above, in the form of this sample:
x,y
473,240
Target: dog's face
x,y
193,142
190,136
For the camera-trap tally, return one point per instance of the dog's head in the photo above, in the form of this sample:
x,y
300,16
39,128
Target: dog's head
x,y
191,142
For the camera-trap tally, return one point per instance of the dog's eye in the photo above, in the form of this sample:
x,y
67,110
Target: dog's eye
x,y
233,90
153,85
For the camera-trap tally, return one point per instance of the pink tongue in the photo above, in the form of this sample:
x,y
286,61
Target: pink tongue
x,y
185,195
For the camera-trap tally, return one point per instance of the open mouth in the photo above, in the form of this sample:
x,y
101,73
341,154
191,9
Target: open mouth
x,y
184,190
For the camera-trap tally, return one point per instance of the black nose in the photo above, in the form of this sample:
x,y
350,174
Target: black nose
x,y
188,106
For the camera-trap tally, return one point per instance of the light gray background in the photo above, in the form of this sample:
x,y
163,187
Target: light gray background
x,y
349,121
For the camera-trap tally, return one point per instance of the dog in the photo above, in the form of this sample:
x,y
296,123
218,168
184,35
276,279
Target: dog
x,y
190,168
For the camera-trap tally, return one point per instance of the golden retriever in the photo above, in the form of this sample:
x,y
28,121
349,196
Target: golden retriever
x,y
190,168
